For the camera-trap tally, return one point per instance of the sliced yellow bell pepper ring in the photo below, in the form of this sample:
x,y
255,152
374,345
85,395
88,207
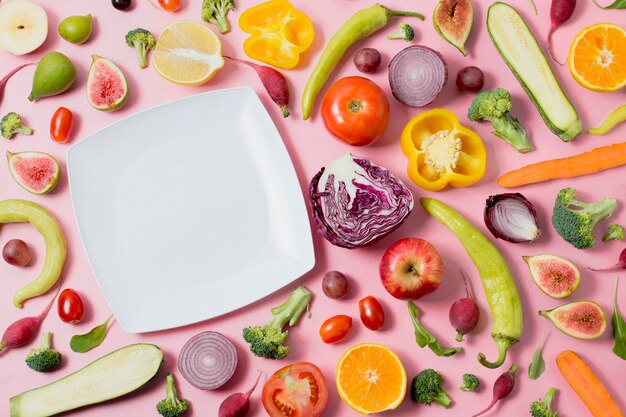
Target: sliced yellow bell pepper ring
x,y
279,33
441,151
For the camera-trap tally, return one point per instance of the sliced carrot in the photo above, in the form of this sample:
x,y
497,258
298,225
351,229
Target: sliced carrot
x,y
587,385
590,162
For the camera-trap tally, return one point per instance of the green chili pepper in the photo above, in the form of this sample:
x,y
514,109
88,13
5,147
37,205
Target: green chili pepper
x,y
616,117
499,286
362,24
22,211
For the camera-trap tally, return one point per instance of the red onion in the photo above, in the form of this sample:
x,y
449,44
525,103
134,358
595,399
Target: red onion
x,y
208,360
621,264
417,75
511,217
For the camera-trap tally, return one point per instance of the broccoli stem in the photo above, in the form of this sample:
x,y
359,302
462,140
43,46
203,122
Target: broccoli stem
x,y
598,210
172,395
222,25
443,399
25,130
142,54
547,400
46,340
291,310
511,131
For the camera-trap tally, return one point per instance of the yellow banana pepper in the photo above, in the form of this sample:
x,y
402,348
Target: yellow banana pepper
x,y
279,33
441,151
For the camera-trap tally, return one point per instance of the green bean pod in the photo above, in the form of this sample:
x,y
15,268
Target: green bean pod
x,y
498,283
362,24
616,117
23,211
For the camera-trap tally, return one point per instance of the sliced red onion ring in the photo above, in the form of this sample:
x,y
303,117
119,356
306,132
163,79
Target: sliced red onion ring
x,y
511,217
208,360
417,75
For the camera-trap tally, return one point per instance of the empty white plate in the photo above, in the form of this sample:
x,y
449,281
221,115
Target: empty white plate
x,y
189,210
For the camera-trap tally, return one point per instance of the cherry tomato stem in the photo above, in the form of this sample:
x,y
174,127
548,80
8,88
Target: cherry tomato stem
x,y
61,125
335,328
372,313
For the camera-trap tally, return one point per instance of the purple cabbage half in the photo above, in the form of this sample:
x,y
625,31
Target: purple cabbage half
x,y
355,202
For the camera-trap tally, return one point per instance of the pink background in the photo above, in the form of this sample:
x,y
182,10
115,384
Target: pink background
x,y
310,147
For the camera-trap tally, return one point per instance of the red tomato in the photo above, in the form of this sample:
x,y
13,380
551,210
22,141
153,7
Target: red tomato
x,y
355,110
372,313
335,328
169,5
70,306
297,390
61,124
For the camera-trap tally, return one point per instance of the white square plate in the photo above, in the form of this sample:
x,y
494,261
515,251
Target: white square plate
x,y
189,210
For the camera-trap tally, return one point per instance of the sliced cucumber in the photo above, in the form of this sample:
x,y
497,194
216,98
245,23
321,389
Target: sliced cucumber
x,y
116,374
520,50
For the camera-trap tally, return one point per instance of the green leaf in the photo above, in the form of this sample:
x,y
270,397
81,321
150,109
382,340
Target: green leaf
x,y
538,365
617,4
619,328
424,338
83,342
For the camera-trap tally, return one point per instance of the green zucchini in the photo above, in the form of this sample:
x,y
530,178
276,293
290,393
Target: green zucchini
x,y
113,375
521,52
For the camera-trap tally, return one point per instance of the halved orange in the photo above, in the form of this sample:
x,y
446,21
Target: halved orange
x,y
597,57
187,53
370,378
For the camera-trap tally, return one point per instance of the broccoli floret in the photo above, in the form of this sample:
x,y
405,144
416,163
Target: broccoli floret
x,y
267,341
215,11
541,408
143,41
616,232
43,358
470,383
406,32
494,106
426,388
171,406
575,220
11,124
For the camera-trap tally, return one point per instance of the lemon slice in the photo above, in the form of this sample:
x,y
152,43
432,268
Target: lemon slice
x,y
187,53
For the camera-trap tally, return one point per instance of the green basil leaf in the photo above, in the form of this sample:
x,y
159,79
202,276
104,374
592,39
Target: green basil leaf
x,y
425,338
619,328
538,365
617,4
83,342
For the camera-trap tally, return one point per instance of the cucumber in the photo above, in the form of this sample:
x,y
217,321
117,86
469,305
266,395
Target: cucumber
x,y
521,52
116,374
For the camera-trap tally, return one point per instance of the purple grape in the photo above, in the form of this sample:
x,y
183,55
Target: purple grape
x,y
335,285
470,79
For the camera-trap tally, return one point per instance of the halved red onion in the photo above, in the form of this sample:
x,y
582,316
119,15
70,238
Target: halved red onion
x,y
511,217
208,360
417,75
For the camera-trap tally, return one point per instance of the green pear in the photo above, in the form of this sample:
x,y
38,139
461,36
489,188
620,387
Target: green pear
x,y
76,29
54,74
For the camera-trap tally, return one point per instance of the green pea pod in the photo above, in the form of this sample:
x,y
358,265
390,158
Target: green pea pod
x,y
23,211
362,24
498,283
616,117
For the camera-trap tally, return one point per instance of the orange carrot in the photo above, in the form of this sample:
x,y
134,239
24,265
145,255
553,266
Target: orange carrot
x,y
585,163
587,385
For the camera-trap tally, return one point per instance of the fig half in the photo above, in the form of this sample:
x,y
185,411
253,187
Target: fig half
x,y
453,20
579,319
555,276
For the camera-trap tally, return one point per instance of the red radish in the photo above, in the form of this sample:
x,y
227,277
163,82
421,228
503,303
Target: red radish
x,y
238,404
4,81
621,264
501,388
560,12
23,330
273,81
464,313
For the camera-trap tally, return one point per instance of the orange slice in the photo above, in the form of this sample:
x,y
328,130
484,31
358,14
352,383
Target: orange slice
x,y
187,53
371,378
597,57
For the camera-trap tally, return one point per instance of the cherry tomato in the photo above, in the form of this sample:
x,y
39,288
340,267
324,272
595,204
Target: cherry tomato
x,y
61,125
355,110
297,390
169,5
335,328
70,306
372,313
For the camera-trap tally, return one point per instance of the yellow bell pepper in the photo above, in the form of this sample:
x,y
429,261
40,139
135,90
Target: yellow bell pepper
x,y
279,33
441,151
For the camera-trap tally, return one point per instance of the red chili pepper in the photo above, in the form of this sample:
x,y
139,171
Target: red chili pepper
x,y
61,125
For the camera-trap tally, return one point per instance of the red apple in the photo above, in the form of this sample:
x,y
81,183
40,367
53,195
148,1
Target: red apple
x,y
411,268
